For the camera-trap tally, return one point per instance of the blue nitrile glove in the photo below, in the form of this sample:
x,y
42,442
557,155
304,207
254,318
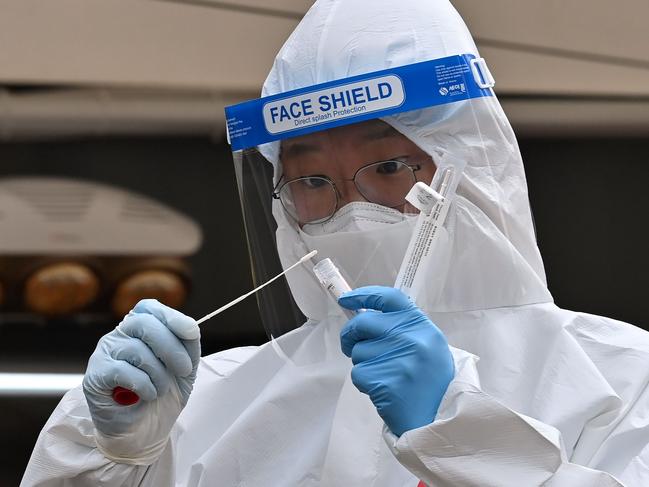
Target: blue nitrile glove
x,y
401,359
153,352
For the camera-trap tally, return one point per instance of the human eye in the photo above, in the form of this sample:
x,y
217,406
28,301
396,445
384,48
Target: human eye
x,y
389,167
313,182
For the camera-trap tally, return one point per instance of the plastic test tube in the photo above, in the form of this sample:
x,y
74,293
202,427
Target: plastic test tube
x,y
331,279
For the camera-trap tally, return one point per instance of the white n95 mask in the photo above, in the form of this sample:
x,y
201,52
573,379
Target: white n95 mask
x,y
356,216
367,241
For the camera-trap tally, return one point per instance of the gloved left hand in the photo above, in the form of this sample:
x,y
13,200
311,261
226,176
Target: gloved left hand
x,y
401,359
154,352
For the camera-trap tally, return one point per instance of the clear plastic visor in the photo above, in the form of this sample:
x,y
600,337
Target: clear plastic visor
x,y
342,191
305,181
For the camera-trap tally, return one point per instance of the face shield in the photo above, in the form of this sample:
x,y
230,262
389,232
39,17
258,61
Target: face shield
x,y
329,167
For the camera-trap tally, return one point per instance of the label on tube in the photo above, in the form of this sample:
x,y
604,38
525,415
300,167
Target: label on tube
x,y
425,235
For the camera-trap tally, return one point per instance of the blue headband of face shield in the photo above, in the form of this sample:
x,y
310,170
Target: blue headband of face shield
x,y
357,98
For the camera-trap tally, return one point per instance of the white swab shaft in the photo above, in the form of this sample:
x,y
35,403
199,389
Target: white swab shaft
x,y
241,298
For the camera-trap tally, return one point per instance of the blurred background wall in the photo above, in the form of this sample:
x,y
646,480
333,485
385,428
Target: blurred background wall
x,y
122,103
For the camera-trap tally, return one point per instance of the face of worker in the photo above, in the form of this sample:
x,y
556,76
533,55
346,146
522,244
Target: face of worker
x,y
357,151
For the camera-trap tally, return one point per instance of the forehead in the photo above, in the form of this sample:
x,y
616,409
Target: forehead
x,y
359,133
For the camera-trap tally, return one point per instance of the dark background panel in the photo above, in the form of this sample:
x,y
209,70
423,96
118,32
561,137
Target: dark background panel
x,y
192,175
590,201
24,419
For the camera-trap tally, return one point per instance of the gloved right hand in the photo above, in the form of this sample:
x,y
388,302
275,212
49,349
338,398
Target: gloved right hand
x,y
154,352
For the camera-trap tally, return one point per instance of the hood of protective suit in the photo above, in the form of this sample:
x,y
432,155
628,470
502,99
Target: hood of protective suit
x,y
488,257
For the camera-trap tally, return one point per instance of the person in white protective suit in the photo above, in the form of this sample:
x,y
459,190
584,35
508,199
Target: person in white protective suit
x,y
478,379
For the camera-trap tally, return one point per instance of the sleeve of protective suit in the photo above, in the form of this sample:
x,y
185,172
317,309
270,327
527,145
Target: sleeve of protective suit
x,y
477,441
66,453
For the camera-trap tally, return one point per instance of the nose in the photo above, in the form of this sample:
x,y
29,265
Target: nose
x,y
348,192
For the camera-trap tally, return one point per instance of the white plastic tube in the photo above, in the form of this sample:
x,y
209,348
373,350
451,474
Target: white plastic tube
x,y
333,281
433,204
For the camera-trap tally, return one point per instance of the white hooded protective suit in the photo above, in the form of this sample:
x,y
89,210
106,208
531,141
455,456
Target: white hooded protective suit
x,y
541,396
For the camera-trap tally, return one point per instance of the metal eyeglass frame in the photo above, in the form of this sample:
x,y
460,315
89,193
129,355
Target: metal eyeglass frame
x,y
279,186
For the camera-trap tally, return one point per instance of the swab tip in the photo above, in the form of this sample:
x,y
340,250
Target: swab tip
x,y
308,256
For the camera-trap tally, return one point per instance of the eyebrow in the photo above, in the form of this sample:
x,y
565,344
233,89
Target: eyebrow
x,y
380,132
299,148
373,133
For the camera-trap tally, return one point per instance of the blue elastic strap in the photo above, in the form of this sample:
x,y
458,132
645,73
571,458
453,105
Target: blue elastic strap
x,y
352,100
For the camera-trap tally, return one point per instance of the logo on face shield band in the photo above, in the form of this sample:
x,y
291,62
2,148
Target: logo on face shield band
x,y
335,103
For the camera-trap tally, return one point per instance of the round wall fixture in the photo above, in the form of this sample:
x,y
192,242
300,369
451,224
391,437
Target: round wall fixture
x,y
163,285
60,288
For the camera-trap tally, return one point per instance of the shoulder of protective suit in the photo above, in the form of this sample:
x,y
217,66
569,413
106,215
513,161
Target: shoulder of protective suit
x,y
620,352
593,329
223,363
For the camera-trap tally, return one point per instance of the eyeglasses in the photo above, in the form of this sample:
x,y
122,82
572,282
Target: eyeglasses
x,y
315,199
